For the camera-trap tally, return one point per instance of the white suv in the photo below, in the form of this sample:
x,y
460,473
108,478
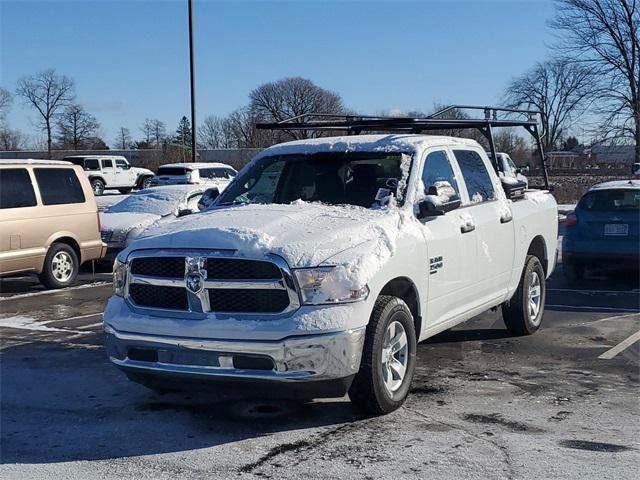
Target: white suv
x,y
212,174
111,172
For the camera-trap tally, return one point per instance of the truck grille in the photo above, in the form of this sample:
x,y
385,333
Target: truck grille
x,y
202,284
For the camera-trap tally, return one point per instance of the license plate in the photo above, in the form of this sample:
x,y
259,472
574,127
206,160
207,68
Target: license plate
x,y
616,229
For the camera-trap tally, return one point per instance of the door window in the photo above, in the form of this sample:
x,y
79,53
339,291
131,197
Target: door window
x,y
121,164
59,186
107,163
475,174
91,164
437,168
16,190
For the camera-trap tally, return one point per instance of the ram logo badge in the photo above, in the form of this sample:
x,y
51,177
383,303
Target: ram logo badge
x,y
435,264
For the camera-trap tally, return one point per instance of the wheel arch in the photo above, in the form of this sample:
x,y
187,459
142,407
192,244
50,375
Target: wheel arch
x,y
405,289
538,248
97,177
67,240
141,178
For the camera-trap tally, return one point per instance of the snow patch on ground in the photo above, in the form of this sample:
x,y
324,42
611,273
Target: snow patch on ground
x,y
27,323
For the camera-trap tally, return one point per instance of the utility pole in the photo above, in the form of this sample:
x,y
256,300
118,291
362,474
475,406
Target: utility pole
x,y
193,83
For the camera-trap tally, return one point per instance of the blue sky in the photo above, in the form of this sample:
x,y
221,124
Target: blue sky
x,y
129,58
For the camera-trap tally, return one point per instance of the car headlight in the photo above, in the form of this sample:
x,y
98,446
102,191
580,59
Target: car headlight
x,y
119,277
118,236
327,285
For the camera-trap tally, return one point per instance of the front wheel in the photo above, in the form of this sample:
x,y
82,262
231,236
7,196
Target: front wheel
x,y
388,358
523,313
146,183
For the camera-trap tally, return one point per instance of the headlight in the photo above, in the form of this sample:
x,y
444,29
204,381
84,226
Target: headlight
x,y
119,277
326,285
118,236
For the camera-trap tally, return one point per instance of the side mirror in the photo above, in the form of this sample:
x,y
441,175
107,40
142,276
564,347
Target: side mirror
x,y
184,211
440,199
208,198
513,188
522,170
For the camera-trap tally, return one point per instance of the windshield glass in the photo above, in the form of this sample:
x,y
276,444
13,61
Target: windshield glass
x,y
172,171
601,200
330,178
153,202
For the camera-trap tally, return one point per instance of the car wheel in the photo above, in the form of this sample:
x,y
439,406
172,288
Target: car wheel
x,y
573,271
523,313
146,183
388,358
60,266
125,191
98,186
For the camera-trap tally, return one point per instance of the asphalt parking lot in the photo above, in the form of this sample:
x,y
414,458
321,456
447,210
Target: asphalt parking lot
x,y
562,403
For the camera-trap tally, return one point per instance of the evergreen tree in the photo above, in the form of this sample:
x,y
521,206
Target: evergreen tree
x,y
183,133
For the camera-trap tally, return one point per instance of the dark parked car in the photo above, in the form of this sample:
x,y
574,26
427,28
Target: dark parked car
x,y
603,231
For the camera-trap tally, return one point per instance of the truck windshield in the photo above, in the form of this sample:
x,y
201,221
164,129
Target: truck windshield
x,y
361,179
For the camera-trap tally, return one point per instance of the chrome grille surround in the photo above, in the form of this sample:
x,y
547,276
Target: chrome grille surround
x,y
198,298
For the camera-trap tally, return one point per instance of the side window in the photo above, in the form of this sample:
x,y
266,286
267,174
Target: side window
x,y
91,164
59,186
476,177
121,164
437,168
206,173
16,190
107,163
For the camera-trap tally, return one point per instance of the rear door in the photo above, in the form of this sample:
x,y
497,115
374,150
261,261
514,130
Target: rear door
x,y
20,250
492,218
451,248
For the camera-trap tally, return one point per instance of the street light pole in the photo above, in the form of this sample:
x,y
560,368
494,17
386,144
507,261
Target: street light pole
x,y
193,84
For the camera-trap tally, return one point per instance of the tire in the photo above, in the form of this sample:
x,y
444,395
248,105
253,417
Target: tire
x,y
369,390
573,271
97,186
60,266
523,313
125,191
145,183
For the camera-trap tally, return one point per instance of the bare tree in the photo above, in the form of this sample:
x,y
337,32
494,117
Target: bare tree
x,y
290,97
11,140
147,131
605,35
47,92
559,89
6,99
75,126
215,132
159,132
123,138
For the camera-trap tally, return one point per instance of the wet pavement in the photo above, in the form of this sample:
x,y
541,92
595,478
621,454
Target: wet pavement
x,y
483,404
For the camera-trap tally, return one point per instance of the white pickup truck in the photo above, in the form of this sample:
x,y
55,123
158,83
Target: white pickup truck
x,y
325,262
107,172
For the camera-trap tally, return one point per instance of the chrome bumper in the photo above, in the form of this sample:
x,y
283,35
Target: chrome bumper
x,y
294,359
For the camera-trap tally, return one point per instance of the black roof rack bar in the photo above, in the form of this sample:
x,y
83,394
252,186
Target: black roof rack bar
x,y
357,124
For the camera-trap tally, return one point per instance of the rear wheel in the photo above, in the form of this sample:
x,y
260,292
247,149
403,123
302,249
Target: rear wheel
x,y
523,313
388,358
60,266
97,186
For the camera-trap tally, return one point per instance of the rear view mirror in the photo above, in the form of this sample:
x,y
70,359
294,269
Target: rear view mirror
x,y
440,199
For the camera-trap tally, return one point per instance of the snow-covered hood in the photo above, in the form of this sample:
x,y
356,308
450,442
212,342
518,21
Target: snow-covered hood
x,y
126,221
304,234
142,171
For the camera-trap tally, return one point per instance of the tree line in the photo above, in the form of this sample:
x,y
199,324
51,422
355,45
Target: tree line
x,y
590,84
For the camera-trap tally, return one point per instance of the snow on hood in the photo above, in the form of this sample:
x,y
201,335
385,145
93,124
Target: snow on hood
x,y
304,234
126,221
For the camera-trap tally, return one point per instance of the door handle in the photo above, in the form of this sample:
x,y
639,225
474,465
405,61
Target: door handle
x,y
467,227
506,218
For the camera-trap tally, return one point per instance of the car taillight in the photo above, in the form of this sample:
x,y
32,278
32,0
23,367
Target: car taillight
x,y
571,221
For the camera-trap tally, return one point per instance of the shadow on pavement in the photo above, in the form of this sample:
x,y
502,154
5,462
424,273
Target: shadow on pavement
x,y
66,404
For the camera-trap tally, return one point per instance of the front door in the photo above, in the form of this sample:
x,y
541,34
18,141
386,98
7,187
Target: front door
x,y
109,173
451,248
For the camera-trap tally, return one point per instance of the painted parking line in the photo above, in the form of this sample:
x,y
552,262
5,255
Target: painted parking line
x,y
623,345
50,292
20,322
79,317
595,309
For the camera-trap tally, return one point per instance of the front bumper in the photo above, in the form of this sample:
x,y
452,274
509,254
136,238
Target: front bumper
x,y
296,359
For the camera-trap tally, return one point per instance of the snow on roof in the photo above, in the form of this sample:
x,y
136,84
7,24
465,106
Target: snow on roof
x,y
156,200
197,165
367,143
634,184
31,161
